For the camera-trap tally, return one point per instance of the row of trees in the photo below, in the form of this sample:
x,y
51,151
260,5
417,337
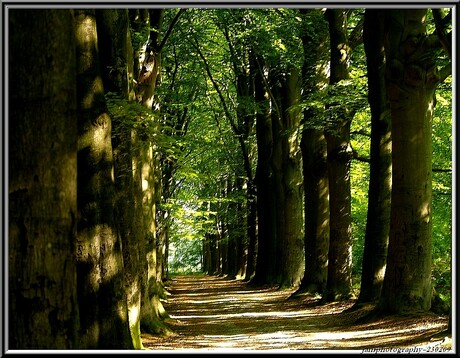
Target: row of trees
x,y
85,263
110,120
289,98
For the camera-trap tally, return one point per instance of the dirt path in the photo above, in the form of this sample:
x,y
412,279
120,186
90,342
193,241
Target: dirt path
x,y
214,313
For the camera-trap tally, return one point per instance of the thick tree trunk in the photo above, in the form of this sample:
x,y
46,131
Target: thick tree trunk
x,y
317,230
267,254
411,80
340,245
292,250
378,209
104,321
43,310
276,163
152,310
117,71
314,160
339,157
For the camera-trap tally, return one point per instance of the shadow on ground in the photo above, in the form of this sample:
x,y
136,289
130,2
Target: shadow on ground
x,y
215,313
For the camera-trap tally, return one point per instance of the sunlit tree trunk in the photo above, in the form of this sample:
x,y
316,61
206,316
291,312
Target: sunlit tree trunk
x,y
152,310
339,155
292,248
378,209
314,160
411,78
117,71
245,123
104,319
42,282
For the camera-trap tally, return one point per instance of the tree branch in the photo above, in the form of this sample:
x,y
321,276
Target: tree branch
x,y
170,28
267,86
359,158
361,132
441,170
216,87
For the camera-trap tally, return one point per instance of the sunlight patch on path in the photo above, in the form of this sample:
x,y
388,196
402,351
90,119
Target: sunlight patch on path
x,y
244,314
219,315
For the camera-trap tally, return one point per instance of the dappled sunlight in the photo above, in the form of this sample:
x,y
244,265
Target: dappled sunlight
x,y
214,313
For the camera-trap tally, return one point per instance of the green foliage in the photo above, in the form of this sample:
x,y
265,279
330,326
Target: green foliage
x,y
442,192
184,256
132,116
205,151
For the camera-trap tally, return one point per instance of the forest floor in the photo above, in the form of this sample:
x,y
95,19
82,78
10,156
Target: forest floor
x,y
211,313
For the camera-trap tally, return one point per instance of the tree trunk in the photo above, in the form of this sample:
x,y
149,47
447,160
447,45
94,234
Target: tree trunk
x,y
378,209
117,71
314,159
152,310
276,163
411,79
99,256
339,157
317,230
252,231
292,250
43,310
267,254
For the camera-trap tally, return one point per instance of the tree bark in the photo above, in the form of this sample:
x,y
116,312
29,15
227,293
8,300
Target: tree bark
x,y
267,254
152,311
314,159
339,155
379,196
411,78
42,282
117,73
99,255
292,250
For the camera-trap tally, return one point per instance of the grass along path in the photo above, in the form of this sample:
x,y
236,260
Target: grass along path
x,y
215,313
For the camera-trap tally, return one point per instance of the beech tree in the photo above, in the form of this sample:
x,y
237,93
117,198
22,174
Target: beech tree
x,y
115,50
150,142
339,155
378,208
100,270
411,79
42,189
314,154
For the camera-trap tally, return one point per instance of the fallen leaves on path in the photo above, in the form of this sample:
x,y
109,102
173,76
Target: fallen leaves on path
x,y
211,313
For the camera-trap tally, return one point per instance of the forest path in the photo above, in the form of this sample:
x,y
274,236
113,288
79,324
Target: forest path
x,y
215,313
